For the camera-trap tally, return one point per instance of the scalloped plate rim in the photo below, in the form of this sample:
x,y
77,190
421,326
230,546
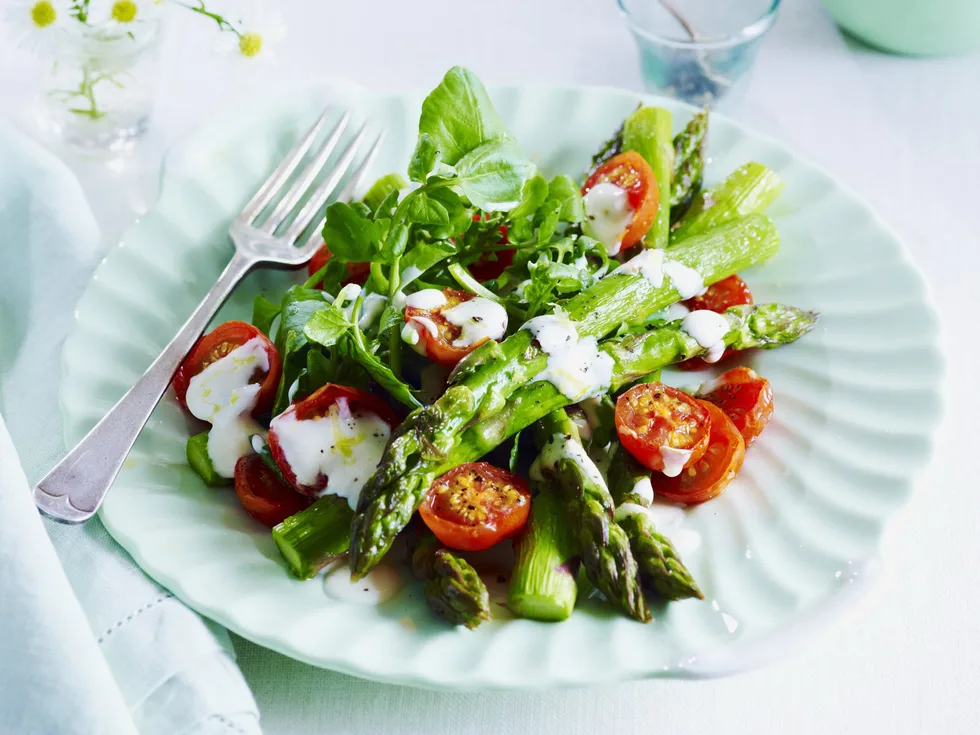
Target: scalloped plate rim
x,y
739,655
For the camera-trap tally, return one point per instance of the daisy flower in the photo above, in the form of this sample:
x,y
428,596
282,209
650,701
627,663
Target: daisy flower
x,y
258,27
37,24
122,15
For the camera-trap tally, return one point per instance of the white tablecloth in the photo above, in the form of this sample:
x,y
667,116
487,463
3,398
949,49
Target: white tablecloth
x,y
902,132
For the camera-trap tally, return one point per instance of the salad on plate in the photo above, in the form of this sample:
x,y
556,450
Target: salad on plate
x,y
474,363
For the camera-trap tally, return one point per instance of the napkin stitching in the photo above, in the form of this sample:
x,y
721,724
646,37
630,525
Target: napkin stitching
x,y
138,611
227,723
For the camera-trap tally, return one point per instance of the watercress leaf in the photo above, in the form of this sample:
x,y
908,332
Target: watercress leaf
x,y
382,189
459,117
327,326
520,219
424,159
515,452
550,213
460,216
264,313
354,348
395,241
352,236
298,306
334,276
387,205
492,176
563,189
422,257
422,209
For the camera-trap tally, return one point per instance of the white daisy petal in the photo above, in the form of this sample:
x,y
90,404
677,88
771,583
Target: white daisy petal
x,y
37,25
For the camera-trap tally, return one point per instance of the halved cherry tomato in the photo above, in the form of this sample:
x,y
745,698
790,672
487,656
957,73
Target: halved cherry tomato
x,y
745,397
476,505
653,417
317,405
216,344
356,272
710,475
439,348
266,498
730,291
631,172
490,265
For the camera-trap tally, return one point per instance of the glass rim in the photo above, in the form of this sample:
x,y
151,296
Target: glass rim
x,y
746,33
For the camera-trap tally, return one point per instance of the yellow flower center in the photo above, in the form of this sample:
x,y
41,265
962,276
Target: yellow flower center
x,y
43,14
124,11
250,44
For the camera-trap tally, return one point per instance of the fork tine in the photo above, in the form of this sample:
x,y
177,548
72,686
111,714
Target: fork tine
x,y
361,171
261,199
326,187
299,187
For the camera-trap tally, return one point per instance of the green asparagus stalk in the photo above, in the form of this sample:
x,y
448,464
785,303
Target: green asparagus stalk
x,y
689,146
603,546
761,325
648,132
484,380
312,538
453,589
200,461
610,148
748,190
382,188
542,584
624,474
660,567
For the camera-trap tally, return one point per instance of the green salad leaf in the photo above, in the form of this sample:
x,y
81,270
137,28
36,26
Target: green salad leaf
x,y
458,117
264,313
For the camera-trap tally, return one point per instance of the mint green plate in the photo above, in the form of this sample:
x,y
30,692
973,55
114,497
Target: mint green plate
x,y
787,549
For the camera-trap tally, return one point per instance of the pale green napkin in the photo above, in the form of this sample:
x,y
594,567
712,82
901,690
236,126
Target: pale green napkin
x,y
174,671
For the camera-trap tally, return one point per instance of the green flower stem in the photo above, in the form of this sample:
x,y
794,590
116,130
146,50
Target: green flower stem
x,y
200,9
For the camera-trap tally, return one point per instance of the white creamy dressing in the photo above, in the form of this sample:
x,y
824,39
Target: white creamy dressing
x,y
371,308
223,395
676,311
674,459
581,422
653,266
685,279
342,446
649,264
608,215
708,329
562,447
426,299
643,489
479,318
376,587
575,366
410,274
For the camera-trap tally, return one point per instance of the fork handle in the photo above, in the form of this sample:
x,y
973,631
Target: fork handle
x,y
75,487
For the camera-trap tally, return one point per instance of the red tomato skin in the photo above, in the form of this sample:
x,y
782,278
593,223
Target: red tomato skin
x,y
645,448
746,398
726,452
440,349
356,272
318,404
263,495
476,536
233,334
630,171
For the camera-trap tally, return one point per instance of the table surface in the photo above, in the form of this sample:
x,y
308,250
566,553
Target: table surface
x,y
901,132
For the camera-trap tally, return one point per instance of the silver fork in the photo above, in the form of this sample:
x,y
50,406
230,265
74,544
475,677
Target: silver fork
x,y
75,487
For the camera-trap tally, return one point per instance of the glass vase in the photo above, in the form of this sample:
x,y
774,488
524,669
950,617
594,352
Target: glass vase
x,y
98,89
